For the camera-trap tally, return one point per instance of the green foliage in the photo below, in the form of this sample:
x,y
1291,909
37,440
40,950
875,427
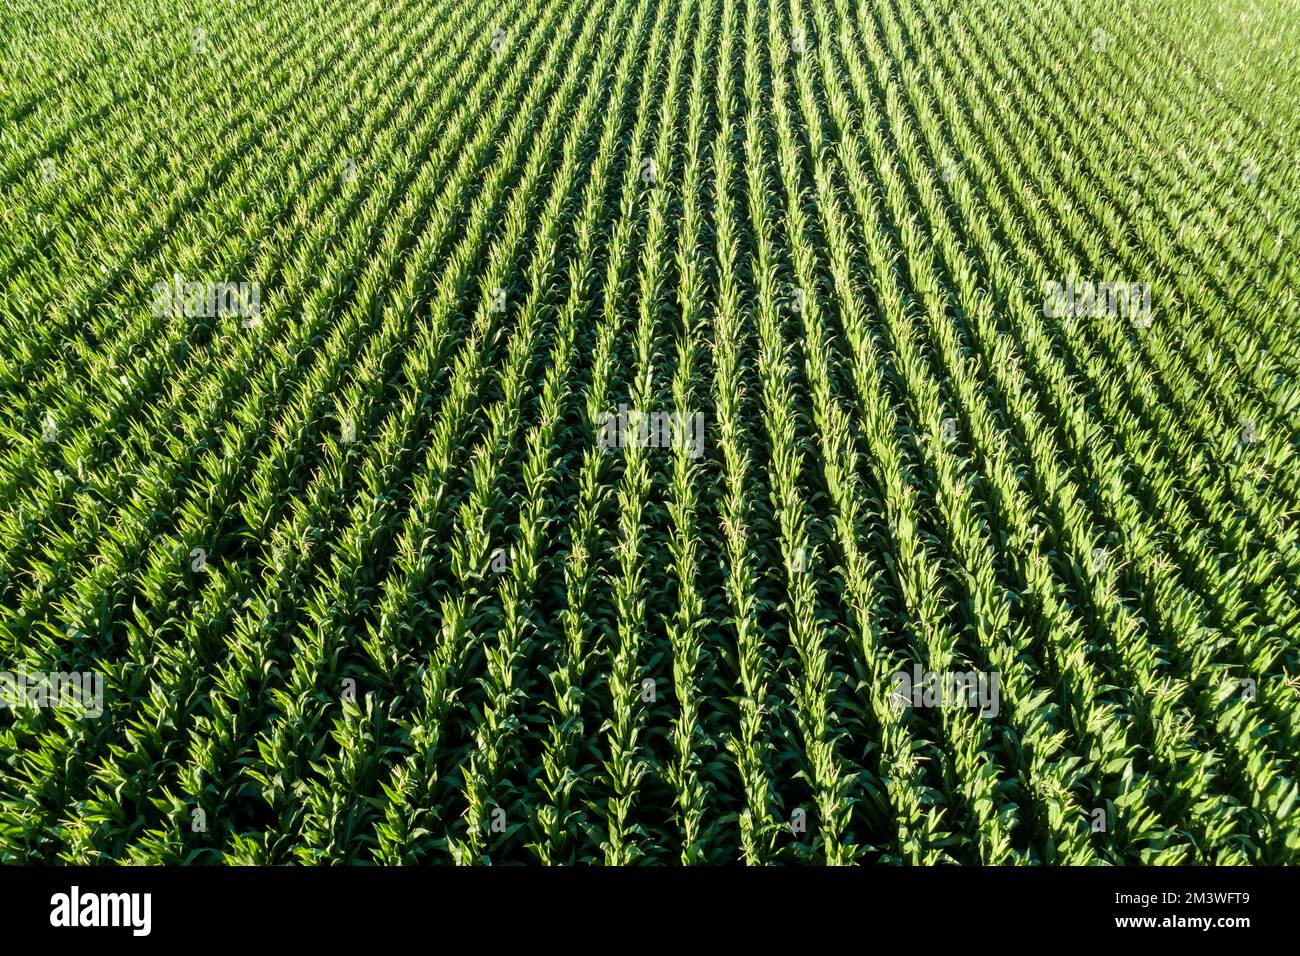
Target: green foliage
x,y
365,583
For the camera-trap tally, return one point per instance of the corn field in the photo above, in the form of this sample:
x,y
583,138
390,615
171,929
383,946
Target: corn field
x,y
649,432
